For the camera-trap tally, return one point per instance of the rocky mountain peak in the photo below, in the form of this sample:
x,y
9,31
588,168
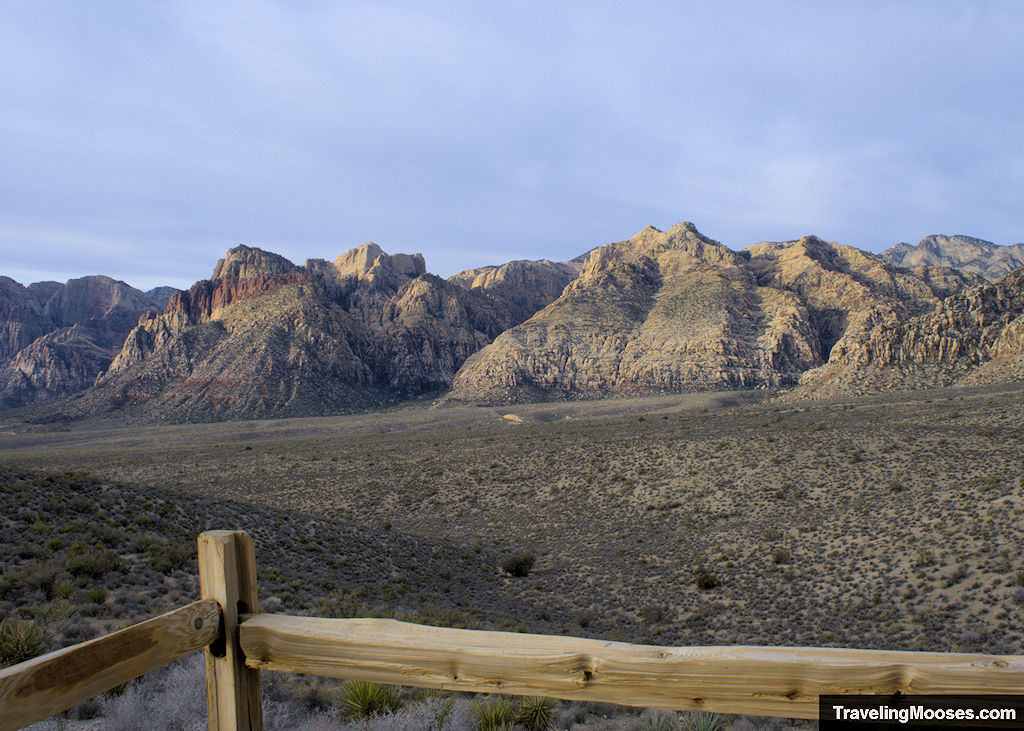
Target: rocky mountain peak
x,y
681,247
967,253
244,262
370,262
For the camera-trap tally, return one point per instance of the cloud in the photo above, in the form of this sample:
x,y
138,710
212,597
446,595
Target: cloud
x,y
472,130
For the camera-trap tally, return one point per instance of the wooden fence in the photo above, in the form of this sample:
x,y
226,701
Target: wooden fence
x,y
239,643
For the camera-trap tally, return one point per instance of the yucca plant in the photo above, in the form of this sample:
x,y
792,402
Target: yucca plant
x,y
362,699
20,641
536,714
702,721
495,714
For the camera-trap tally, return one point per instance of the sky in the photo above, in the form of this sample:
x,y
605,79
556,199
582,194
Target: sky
x,y
143,139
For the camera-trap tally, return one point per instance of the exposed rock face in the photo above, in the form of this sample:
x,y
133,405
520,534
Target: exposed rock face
x,y
527,286
976,336
959,252
264,337
676,311
57,338
661,312
21,315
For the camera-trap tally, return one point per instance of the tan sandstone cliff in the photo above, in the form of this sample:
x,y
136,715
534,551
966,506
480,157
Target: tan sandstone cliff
x,y
676,311
976,336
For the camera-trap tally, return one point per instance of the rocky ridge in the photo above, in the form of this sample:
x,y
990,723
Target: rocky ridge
x,y
265,337
664,311
992,261
57,338
973,337
676,311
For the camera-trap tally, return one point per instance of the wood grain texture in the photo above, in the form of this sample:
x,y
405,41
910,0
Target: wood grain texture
x,y
227,574
767,681
49,684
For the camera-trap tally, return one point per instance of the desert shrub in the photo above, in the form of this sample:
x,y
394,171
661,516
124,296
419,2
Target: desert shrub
x,y
46,577
97,595
585,617
93,562
20,640
780,556
536,714
701,721
172,697
494,714
362,699
520,564
313,694
706,580
170,557
654,613
658,721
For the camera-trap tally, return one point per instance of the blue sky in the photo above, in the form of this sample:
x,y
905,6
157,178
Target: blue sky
x,y
144,139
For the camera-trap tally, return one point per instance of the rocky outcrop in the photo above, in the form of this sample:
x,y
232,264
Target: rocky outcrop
x,y
265,337
664,311
21,315
62,362
976,336
959,252
57,338
525,286
676,311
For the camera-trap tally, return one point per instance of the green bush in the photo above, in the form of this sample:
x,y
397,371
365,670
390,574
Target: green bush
x,y
97,595
20,641
94,563
706,580
494,714
169,558
520,564
362,699
536,714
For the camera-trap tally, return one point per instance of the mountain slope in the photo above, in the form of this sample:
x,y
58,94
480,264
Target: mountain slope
x,y
976,336
57,338
959,252
523,286
265,337
676,311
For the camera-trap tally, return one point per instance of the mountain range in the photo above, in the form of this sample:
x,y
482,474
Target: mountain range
x,y
960,252
664,311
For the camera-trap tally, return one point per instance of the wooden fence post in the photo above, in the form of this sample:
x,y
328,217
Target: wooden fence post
x,y
227,574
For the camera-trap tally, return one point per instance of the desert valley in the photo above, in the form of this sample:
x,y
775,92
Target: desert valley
x,y
797,443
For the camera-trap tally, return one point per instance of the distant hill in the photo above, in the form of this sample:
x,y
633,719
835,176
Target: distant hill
x,y
960,252
55,339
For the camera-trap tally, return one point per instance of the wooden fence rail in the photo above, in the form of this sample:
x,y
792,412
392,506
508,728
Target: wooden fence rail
x,y
239,642
49,684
